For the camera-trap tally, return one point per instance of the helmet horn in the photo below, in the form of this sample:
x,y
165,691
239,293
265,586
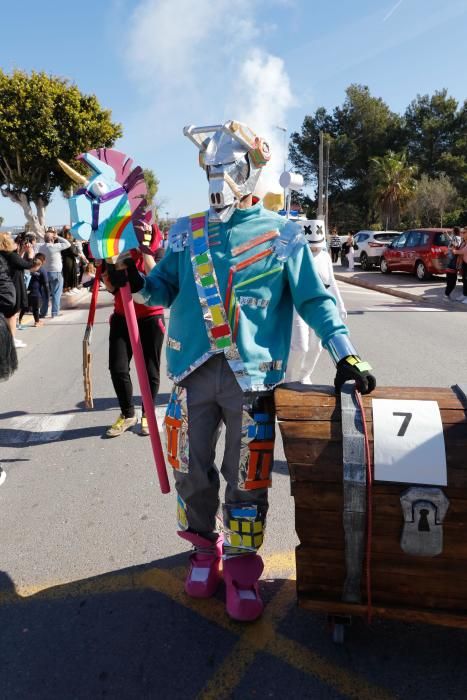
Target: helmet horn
x,y
72,173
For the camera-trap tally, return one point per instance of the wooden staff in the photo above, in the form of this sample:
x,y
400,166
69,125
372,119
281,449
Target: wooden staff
x,y
87,378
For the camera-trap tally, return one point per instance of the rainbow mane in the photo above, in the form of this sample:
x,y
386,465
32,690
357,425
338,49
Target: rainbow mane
x,y
121,210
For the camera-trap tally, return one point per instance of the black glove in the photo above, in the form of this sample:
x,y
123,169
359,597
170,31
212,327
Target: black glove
x,y
353,368
119,278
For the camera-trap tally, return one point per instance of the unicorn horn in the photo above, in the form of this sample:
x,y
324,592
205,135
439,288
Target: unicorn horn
x,y
72,173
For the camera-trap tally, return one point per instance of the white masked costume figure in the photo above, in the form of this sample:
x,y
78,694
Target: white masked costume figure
x,y
306,346
232,276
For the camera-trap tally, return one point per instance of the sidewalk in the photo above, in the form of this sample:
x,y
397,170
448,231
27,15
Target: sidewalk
x,y
404,285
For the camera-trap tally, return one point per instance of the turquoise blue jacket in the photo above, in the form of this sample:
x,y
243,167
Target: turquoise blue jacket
x,y
265,282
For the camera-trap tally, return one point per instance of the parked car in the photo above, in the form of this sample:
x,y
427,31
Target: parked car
x,y
370,245
423,252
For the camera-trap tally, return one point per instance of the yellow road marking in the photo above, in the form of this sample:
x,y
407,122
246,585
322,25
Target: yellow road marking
x,y
252,638
280,564
263,636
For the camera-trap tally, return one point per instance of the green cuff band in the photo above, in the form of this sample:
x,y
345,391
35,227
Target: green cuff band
x,y
363,366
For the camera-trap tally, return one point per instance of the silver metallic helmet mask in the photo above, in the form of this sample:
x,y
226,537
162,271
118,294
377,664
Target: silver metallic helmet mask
x,y
232,157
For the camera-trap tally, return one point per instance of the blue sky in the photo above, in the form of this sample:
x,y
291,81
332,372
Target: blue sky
x,y
162,64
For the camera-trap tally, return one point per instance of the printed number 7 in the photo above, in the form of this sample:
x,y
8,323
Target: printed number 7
x,y
405,423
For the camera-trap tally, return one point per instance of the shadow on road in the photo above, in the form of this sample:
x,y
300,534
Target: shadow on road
x,y
133,633
127,634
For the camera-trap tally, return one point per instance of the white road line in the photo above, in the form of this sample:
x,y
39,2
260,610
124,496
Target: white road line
x,y
33,429
398,310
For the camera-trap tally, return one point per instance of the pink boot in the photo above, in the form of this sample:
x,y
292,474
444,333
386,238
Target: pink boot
x,y
204,573
241,576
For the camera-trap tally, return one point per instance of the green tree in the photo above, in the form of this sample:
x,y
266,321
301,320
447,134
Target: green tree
x,y
1,220
436,136
393,184
362,128
430,130
43,118
432,199
152,184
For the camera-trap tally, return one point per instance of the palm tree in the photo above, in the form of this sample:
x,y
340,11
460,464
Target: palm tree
x,y
393,185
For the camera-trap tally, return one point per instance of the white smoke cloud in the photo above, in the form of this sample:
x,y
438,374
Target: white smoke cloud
x,y
177,41
261,99
204,62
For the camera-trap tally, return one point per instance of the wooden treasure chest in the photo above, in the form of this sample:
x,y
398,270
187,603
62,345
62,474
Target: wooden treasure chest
x,y
380,489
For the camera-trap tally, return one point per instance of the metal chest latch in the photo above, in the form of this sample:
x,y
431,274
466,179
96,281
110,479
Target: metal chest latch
x,y
424,510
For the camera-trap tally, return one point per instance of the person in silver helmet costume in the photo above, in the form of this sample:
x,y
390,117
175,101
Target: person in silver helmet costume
x,y
232,276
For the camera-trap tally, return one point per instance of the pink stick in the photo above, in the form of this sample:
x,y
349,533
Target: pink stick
x,y
143,380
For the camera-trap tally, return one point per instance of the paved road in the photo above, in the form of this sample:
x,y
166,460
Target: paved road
x,y
91,571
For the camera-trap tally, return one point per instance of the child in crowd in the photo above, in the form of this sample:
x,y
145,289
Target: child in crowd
x,y
89,275
38,290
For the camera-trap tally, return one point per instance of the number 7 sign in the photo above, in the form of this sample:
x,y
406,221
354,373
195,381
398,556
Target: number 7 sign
x,y
408,442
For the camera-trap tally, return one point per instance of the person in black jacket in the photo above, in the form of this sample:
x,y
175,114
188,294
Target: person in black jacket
x,y
8,357
16,267
7,288
38,291
70,269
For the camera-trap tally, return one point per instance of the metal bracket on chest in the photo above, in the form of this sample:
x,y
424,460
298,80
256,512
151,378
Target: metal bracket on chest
x,y
424,510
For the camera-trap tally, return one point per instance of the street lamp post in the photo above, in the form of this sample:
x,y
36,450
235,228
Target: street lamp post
x,y
284,131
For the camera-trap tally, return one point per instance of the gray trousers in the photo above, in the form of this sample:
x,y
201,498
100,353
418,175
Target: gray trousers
x,y
213,397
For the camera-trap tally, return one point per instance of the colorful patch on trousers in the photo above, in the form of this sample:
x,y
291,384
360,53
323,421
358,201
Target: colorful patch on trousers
x,y
182,517
244,526
176,430
257,442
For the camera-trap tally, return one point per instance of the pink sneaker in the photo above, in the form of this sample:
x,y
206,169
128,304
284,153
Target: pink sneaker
x,y
204,573
241,576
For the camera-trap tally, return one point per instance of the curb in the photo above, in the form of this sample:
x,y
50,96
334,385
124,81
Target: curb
x,y
393,292
71,301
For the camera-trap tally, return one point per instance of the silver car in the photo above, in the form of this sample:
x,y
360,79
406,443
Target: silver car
x,y
370,245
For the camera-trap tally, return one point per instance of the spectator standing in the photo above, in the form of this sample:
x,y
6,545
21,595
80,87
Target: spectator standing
x,y
462,252
456,236
452,265
69,261
335,245
53,266
348,251
8,356
38,289
7,304
81,261
85,247
16,267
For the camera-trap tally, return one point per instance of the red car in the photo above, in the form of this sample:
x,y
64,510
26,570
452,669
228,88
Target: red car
x,y
421,251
